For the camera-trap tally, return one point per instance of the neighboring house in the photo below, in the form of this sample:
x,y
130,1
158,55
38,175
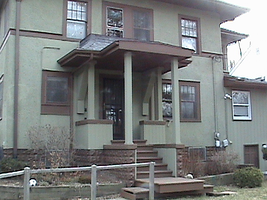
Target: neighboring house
x,y
119,70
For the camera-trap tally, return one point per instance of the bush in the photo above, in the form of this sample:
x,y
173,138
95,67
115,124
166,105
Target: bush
x,y
248,177
222,162
85,179
11,164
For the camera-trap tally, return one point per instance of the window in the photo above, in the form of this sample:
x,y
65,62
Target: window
x,y
190,34
56,93
126,21
76,19
189,101
241,105
142,25
114,22
1,95
167,99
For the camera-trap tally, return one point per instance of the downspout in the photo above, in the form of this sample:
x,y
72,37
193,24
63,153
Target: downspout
x,y
214,95
16,78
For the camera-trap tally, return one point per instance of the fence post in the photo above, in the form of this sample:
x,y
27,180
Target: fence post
x,y
26,185
151,180
93,182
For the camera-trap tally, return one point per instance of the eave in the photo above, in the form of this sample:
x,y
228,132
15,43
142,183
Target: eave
x,y
243,83
229,36
226,11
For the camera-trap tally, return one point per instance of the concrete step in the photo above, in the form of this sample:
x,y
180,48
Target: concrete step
x,y
140,142
149,159
157,174
144,147
147,153
158,166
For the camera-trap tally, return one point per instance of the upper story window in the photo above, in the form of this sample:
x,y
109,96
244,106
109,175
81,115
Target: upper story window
x,y
189,101
241,105
190,33
77,15
129,22
114,22
56,93
142,25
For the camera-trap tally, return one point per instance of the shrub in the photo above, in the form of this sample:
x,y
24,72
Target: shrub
x,y
11,164
248,177
85,179
222,162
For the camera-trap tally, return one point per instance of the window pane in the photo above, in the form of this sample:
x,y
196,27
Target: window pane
x,y
167,109
57,90
76,29
240,98
143,35
114,22
190,43
241,111
141,19
188,110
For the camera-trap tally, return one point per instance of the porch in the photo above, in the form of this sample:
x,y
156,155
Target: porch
x,y
105,110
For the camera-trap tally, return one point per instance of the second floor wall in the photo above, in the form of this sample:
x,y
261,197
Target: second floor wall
x,y
145,20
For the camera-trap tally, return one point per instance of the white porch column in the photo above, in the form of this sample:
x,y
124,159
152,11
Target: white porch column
x,y
91,91
128,96
175,101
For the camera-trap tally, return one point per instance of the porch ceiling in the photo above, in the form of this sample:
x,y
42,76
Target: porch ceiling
x,y
109,54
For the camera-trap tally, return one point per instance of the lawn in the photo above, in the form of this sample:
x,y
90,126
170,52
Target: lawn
x,y
241,193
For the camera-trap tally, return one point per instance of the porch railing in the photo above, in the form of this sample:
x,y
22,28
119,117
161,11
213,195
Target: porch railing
x,y
27,174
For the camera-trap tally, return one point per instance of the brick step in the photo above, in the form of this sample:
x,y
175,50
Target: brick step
x,y
158,166
149,159
134,193
157,174
147,153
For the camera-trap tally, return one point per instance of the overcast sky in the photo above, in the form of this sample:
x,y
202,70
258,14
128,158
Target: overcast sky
x,y
251,23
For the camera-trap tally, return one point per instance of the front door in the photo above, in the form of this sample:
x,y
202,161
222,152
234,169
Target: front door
x,y
113,105
251,155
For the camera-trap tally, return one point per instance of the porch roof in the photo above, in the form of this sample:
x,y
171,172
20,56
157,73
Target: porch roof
x,y
244,83
109,52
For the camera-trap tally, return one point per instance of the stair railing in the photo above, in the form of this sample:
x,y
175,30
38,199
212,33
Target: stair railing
x,y
94,168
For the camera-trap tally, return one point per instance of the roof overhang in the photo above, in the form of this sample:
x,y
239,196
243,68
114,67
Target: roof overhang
x,y
227,12
146,55
229,36
244,83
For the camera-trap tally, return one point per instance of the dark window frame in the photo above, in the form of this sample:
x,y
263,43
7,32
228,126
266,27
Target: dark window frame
x,y
198,103
198,38
56,108
128,19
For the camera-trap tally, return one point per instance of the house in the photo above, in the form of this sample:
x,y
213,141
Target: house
x,y
116,70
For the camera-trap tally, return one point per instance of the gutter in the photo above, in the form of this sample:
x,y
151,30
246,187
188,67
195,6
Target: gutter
x,y
16,78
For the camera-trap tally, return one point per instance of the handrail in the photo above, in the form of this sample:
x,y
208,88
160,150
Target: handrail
x,y
27,172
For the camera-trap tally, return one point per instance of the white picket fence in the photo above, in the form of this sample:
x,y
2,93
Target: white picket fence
x,y
94,168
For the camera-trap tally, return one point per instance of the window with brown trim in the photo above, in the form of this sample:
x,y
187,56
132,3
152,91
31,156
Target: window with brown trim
x,y
129,22
190,33
56,93
77,19
189,101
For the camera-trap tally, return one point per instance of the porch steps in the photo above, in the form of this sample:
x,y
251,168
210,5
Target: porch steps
x,y
165,184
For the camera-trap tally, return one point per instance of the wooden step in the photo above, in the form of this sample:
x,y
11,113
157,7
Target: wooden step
x,y
157,174
149,159
134,193
147,153
173,184
158,166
